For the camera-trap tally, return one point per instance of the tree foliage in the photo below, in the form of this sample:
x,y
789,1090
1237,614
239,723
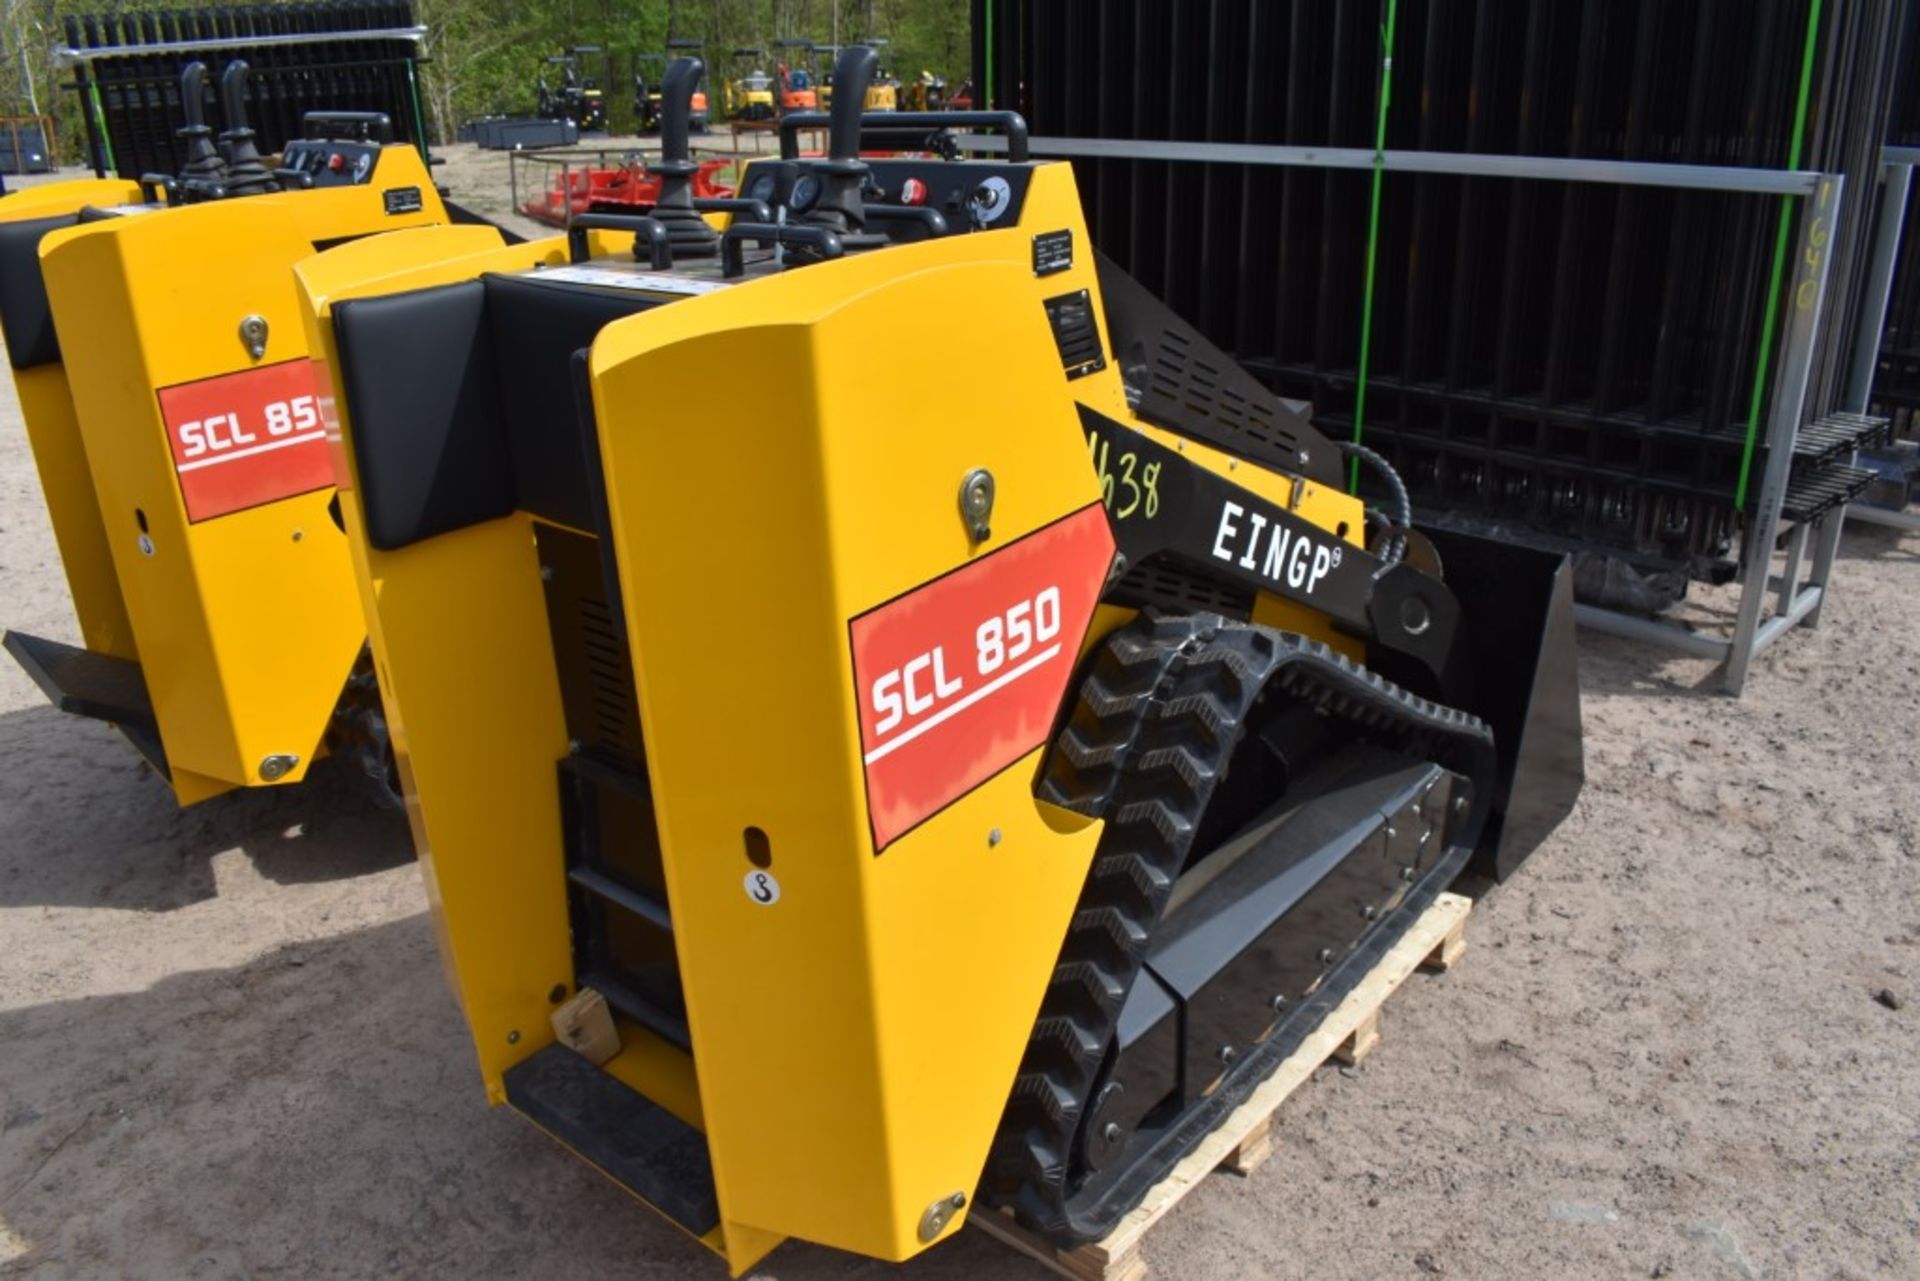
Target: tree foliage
x,y
486,55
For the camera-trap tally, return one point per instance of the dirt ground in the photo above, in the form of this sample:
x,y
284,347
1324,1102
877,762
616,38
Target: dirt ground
x,y
226,1048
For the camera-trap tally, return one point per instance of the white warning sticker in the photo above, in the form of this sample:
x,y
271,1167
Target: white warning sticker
x,y
612,277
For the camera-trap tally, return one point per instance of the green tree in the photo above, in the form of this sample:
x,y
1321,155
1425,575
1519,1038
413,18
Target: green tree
x,y
485,56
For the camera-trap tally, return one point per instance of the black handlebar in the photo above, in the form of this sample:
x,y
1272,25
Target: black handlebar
x,y
1011,123
348,126
733,245
153,186
932,219
654,233
751,210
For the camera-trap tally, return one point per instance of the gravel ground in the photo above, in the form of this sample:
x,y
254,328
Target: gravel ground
x,y
226,1047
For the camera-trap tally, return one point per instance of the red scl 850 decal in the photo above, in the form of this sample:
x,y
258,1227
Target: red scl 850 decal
x,y
963,676
243,439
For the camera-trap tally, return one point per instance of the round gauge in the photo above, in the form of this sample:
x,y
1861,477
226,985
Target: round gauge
x,y
806,190
363,166
761,188
991,199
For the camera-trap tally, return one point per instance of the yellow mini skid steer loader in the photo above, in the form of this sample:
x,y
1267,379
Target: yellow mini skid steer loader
x,y
158,349
835,820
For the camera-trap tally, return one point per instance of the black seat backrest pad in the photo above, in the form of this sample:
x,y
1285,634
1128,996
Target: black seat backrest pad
x,y
537,328
25,315
417,371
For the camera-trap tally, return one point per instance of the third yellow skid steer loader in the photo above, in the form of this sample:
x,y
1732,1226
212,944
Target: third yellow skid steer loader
x,y
963,804
161,362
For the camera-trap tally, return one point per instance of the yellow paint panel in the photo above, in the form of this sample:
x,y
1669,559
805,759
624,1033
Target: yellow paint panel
x,y
246,624
896,993
49,198
54,433
461,648
52,429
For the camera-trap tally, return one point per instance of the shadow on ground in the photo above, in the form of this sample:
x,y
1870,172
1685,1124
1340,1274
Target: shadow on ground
x,y
1618,666
317,1110
1878,542
85,822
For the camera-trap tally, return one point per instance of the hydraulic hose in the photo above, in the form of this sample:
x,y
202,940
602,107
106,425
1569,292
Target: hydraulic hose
x,y
1396,545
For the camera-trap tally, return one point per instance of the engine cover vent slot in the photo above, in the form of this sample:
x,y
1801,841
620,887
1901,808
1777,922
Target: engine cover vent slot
x,y
1075,333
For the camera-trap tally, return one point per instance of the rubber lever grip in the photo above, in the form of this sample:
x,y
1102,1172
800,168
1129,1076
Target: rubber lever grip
x,y
676,107
193,89
852,74
233,93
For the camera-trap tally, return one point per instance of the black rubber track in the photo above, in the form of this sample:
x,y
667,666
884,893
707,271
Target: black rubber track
x,y
1166,701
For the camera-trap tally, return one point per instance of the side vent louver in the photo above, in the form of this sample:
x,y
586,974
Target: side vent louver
x,y
1076,334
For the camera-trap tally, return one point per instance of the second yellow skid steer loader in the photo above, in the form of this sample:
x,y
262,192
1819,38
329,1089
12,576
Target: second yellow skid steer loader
x,y
967,803
161,362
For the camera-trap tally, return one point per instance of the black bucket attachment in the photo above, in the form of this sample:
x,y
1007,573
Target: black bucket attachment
x,y
1516,606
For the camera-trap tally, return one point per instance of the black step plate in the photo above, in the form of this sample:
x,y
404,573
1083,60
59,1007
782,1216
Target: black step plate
x,y
82,682
98,686
642,1146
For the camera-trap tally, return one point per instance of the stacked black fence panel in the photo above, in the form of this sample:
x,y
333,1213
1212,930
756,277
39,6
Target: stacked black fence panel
x,y
1574,361
1896,383
336,55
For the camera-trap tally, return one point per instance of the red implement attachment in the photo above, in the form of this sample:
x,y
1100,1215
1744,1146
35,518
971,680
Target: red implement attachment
x,y
622,189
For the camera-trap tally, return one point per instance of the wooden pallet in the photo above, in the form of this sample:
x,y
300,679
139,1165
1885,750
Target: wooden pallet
x,y
1245,1139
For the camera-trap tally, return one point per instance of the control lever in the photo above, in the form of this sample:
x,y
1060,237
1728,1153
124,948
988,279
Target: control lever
x,y
246,175
204,172
838,207
675,209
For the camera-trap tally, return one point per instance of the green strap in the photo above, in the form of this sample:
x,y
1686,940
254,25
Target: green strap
x,y
1373,240
424,145
983,92
1782,236
100,124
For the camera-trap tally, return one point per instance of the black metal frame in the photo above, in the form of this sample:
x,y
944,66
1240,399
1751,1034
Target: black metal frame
x,y
340,55
1572,360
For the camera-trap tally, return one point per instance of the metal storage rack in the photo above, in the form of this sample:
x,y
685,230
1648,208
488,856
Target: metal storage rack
x,y
1894,241
1571,324
1802,584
